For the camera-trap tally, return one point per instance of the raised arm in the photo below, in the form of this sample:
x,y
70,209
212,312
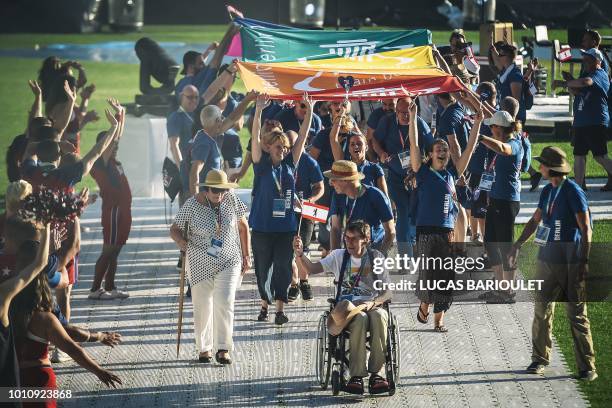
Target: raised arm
x,y
119,112
260,104
334,141
305,266
496,145
36,110
415,152
90,158
298,147
463,161
63,115
231,120
224,80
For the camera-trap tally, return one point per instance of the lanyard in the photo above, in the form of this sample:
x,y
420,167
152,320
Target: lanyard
x,y
361,269
450,188
354,202
186,114
399,132
491,165
217,212
278,180
551,206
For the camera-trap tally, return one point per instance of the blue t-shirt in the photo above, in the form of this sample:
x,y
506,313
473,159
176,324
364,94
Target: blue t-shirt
x,y
435,189
373,207
507,183
289,121
375,117
591,104
504,89
270,111
231,149
180,123
308,173
326,157
230,106
477,161
371,171
451,121
394,139
201,80
326,121
206,150
563,203
266,191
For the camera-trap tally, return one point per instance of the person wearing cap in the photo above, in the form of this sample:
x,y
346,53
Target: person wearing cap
x,y
195,71
363,202
217,254
292,119
436,215
205,151
272,218
591,116
180,133
509,82
501,179
360,290
563,231
393,148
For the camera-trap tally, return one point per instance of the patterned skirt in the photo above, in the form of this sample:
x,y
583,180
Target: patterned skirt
x,y
437,251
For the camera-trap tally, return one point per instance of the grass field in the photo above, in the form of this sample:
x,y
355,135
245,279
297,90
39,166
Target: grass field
x,y
121,81
600,316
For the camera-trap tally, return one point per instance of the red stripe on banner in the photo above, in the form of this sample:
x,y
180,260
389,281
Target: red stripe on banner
x,y
322,207
313,218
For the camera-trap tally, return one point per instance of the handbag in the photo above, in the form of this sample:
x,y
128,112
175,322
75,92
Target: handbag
x,y
172,179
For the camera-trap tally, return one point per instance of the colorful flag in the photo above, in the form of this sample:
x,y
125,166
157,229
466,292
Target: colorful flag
x,y
282,45
314,212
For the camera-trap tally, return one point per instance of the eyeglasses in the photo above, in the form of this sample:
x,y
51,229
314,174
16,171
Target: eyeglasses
x,y
215,190
191,97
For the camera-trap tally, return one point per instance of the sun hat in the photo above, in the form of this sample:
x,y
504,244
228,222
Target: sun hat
x,y
217,179
344,170
341,316
555,159
500,118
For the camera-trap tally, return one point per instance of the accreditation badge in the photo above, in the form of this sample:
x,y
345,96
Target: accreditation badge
x,y
486,181
278,208
215,248
541,237
404,158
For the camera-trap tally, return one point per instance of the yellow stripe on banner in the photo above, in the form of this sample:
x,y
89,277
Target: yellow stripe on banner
x,y
396,60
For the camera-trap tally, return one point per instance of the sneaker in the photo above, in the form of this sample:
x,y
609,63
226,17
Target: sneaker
x,y
293,293
263,315
477,239
607,187
306,290
281,318
587,375
535,181
536,368
58,356
179,264
119,294
100,294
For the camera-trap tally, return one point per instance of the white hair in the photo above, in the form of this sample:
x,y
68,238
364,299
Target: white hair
x,y
209,115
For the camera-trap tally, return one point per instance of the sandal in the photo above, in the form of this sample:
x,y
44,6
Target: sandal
x,y
205,359
378,385
440,328
263,315
222,360
420,312
354,386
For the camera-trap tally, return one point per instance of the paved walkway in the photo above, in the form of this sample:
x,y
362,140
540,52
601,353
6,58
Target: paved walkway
x,y
478,363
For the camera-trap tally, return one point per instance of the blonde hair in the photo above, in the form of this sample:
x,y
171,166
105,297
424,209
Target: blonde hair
x,y
346,124
275,136
15,193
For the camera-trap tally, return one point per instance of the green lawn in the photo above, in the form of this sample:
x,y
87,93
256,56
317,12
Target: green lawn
x,y
600,316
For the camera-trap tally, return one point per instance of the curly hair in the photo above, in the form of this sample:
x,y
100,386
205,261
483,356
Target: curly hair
x,y
360,227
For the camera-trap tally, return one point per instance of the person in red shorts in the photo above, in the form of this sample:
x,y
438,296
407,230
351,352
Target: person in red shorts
x,y
116,215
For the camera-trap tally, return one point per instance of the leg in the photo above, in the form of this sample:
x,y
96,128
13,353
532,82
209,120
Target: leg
x,y
262,254
202,298
223,303
63,300
357,345
581,333
401,198
605,162
109,278
579,169
281,269
378,321
102,265
541,332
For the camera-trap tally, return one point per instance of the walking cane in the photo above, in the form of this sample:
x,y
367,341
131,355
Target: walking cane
x,y
182,290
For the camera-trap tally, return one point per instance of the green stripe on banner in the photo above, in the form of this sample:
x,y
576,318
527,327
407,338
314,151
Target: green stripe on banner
x,y
265,45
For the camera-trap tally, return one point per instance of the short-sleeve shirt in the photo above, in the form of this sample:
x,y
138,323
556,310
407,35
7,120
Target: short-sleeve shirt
x,y
201,80
436,207
58,178
270,111
231,149
362,288
326,157
451,121
289,121
375,117
203,222
394,139
206,150
591,104
308,173
230,106
266,190
512,74
559,206
114,187
507,183
180,123
372,206
481,152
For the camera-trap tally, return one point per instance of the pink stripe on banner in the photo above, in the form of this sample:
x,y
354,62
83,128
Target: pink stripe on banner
x,y
235,48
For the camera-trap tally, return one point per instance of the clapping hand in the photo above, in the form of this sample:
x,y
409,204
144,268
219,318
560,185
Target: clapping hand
x,y
262,101
35,87
111,118
70,93
88,91
308,102
91,116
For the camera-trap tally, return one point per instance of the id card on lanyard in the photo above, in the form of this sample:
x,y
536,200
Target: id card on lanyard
x,y
404,155
279,206
543,231
488,177
452,196
216,243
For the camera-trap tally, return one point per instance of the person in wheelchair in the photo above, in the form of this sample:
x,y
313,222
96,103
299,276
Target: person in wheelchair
x,y
353,272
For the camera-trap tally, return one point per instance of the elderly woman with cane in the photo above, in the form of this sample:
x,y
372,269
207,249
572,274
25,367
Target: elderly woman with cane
x,y
218,254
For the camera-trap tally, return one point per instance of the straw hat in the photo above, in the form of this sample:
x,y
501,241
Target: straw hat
x,y
217,179
555,159
341,316
344,170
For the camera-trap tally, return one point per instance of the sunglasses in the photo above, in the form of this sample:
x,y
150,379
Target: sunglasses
x,y
215,190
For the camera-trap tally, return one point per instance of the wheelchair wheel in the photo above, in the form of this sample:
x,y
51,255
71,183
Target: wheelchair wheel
x,y
323,363
393,353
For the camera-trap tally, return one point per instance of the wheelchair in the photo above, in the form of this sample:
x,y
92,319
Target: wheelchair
x,y
332,359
